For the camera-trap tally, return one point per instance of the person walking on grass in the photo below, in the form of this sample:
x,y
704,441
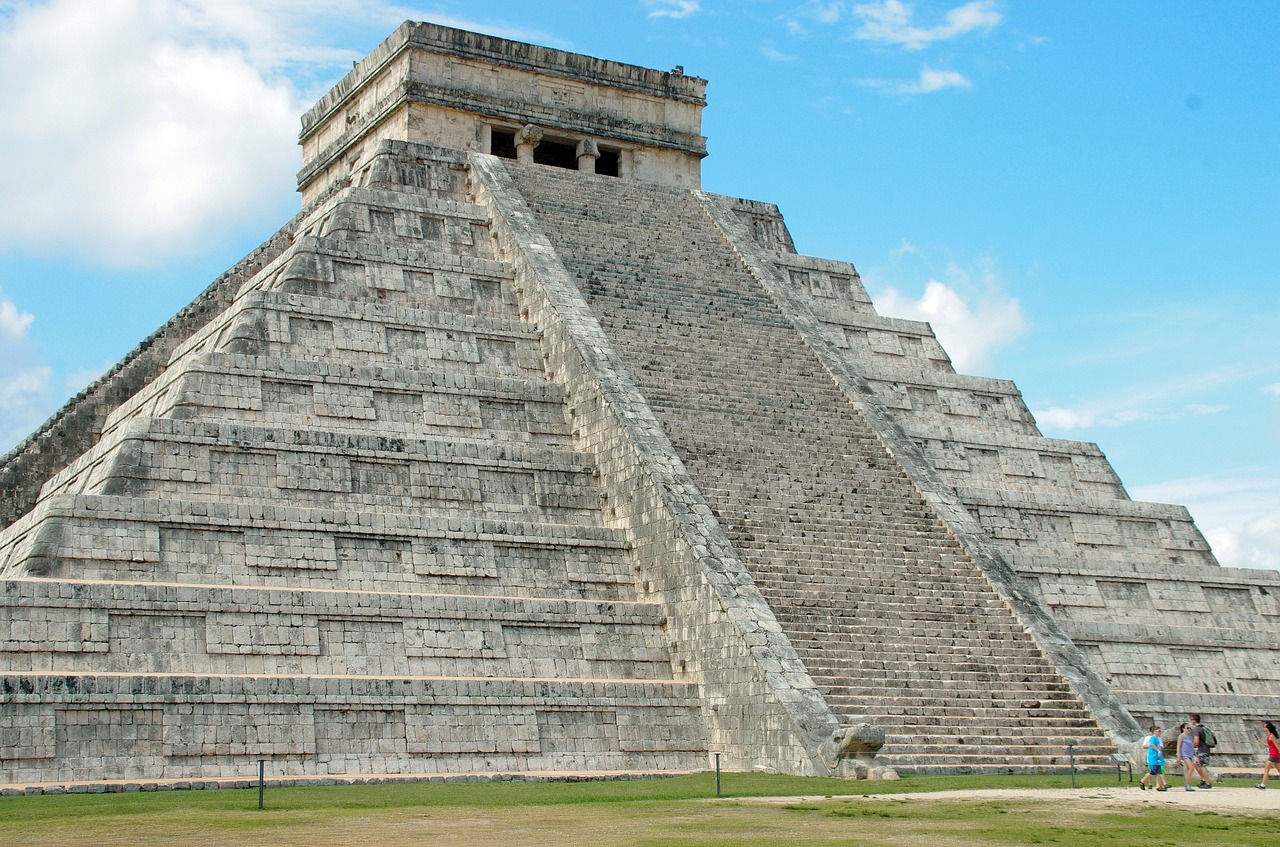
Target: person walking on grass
x,y
1155,761
1186,753
1204,743
1273,754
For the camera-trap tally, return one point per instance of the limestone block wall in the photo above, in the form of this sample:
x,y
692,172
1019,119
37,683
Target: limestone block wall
x,y
155,727
346,530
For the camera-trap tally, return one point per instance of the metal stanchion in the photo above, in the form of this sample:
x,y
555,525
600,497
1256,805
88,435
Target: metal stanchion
x,y
262,767
1071,751
717,774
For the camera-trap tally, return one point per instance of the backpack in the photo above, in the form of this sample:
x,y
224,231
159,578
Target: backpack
x,y
1209,740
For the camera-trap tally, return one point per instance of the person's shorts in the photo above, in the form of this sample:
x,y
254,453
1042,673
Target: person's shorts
x,y
1202,759
1275,760
1154,770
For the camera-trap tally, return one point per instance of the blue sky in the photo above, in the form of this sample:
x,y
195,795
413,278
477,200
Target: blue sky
x,y
1083,197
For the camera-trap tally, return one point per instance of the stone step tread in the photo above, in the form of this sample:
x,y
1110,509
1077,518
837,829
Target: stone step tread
x,y
315,439
943,694
391,313
386,377
940,678
388,505
267,680
272,601
231,515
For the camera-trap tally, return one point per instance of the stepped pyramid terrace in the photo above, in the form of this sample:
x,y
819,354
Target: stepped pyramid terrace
x,y
516,453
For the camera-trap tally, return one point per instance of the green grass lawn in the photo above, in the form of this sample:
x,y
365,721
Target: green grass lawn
x,y
662,812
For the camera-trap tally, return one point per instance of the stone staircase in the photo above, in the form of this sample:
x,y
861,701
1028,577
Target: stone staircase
x,y
889,614
1133,584
346,530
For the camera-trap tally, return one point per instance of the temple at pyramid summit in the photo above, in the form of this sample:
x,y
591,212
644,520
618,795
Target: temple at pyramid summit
x,y
517,454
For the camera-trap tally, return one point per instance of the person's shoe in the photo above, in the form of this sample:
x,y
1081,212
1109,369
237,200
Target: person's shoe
x,y
1262,785
1189,788
1163,788
1205,785
1142,785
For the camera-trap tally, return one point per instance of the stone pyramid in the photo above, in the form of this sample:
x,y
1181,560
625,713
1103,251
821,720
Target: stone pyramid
x,y
515,453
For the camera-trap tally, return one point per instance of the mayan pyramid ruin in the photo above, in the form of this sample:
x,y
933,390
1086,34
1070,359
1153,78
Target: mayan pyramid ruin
x,y
516,453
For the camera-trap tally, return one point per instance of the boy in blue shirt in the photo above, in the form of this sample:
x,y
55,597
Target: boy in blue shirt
x,y
1155,761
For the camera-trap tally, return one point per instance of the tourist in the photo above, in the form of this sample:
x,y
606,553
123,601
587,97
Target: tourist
x,y
1187,753
1273,753
1155,761
1204,743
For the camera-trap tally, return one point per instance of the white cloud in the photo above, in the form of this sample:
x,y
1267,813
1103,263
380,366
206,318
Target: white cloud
x,y
13,323
24,382
903,249
929,81
970,334
147,129
1056,418
891,22
1239,517
1274,388
158,132
932,80
1204,409
823,12
672,8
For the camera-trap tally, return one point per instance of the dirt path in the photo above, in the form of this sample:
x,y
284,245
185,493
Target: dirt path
x,y
1217,799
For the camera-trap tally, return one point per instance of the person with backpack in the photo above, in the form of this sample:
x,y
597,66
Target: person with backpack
x,y
1205,742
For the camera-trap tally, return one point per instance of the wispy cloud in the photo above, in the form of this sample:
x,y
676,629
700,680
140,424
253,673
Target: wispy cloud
x,y
775,55
1274,388
893,22
1166,398
1105,414
932,80
672,8
1060,419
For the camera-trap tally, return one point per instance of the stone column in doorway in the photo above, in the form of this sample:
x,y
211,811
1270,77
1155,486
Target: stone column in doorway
x,y
527,139
588,152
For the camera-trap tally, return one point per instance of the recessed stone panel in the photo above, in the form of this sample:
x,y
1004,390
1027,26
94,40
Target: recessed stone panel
x,y
470,729
238,729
